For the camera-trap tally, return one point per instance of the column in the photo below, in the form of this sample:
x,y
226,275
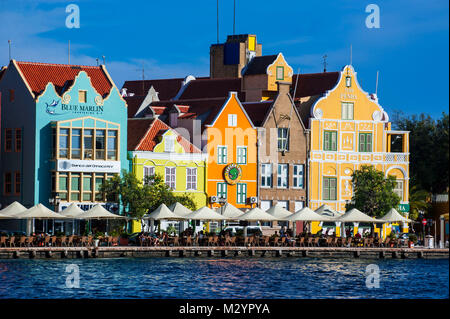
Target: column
x,y
355,228
442,239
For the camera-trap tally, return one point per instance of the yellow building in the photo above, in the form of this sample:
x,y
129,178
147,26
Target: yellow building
x,y
348,128
155,148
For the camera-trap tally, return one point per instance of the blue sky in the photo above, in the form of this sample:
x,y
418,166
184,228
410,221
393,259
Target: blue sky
x,y
172,39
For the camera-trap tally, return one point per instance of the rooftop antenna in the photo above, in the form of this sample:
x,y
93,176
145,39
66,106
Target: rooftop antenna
x,y
376,84
325,63
69,51
143,78
234,17
104,60
217,21
96,61
9,45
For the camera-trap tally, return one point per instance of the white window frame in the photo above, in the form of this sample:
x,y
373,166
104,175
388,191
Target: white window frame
x,y
172,173
239,155
191,172
232,120
346,110
282,175
266,175
152,173
284,139
298,176
241,193
399,190
220,155
223,189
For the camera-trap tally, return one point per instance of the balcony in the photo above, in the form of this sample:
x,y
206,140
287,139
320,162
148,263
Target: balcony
x,y
396,157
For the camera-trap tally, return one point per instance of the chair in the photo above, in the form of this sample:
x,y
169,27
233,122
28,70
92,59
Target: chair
x,y
3,241
282,242
386,242
275,241
188,241
316,241
53,241
301,242
27,241
233,241
227,240
70,241
12,241
329,242
349,242
62,241
83,241
343,241
46,241
142,241
176,241
115,241
265,241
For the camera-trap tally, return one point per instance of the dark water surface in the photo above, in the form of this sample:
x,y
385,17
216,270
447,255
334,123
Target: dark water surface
x,y
296,278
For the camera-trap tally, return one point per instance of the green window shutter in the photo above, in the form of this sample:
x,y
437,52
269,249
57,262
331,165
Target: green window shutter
x,y
362,142
326,189
326,141
369,143
333,141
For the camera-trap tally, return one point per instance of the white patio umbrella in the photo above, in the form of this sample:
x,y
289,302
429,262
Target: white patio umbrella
x,y
180,210
13,209
161,213
254,215
207,214
72,211
230,211
307,215
393,216
278,211
354,216
328,211
38,211
99,212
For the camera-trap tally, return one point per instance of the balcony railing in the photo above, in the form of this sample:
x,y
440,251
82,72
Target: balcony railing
x,y
396,157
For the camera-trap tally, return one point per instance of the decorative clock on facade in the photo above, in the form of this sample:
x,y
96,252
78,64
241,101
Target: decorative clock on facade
x,y
232,173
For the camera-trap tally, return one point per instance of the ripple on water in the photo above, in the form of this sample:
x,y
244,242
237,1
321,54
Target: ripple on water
x,y
224,278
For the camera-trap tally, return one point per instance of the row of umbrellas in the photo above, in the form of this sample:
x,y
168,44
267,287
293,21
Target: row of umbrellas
x,y
39,211
275,213
227,212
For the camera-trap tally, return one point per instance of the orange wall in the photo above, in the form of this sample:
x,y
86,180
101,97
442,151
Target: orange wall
x,y
243,134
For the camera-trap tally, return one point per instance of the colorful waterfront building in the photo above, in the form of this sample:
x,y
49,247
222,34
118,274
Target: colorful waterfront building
x,y
156,148
349,128
64,132
232,156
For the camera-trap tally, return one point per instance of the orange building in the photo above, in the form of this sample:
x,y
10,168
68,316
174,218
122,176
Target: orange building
x,y
232,156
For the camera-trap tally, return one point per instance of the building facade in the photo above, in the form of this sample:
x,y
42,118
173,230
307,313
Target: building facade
x,y
350,129
156,149
65,132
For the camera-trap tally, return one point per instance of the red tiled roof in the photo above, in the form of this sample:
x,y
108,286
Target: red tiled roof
x,y
313,83
211,88
38,75
143,135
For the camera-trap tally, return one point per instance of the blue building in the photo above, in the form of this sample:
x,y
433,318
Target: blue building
x,y
63,132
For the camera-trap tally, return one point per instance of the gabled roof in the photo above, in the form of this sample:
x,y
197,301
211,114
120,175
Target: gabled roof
x,y
311,84
259,64
133,102
167,88
211,88
2,71
257,111
38,75
143,135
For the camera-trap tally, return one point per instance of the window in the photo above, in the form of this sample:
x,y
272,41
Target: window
x,y
191,178
222,190
241,157
8,184
298,176
221,154
87,187
17,183
266,175
82,96
112,145
280,73
100,144
330,141
18,140
282,178
348,81
63,142
347,111
283,139
398,189
75,187
88,144
232,119
241,196
11,96
298,205
329,188
365,142
169,144
396,143
170,177
98,183
76,143
8,140
148,172
63,187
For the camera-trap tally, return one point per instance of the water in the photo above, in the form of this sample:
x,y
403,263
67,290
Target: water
x,y
296,278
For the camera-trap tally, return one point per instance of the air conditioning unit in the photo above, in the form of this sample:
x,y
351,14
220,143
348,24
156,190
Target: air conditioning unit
x,y
214,199
222,200
253,200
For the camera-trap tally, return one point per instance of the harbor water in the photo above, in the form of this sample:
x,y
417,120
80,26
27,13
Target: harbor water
x,y
292,278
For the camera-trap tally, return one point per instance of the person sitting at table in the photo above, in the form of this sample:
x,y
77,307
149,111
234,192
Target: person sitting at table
x,y
358,235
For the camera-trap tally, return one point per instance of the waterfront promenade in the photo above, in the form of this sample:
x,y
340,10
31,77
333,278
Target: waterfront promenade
x,y
220,251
